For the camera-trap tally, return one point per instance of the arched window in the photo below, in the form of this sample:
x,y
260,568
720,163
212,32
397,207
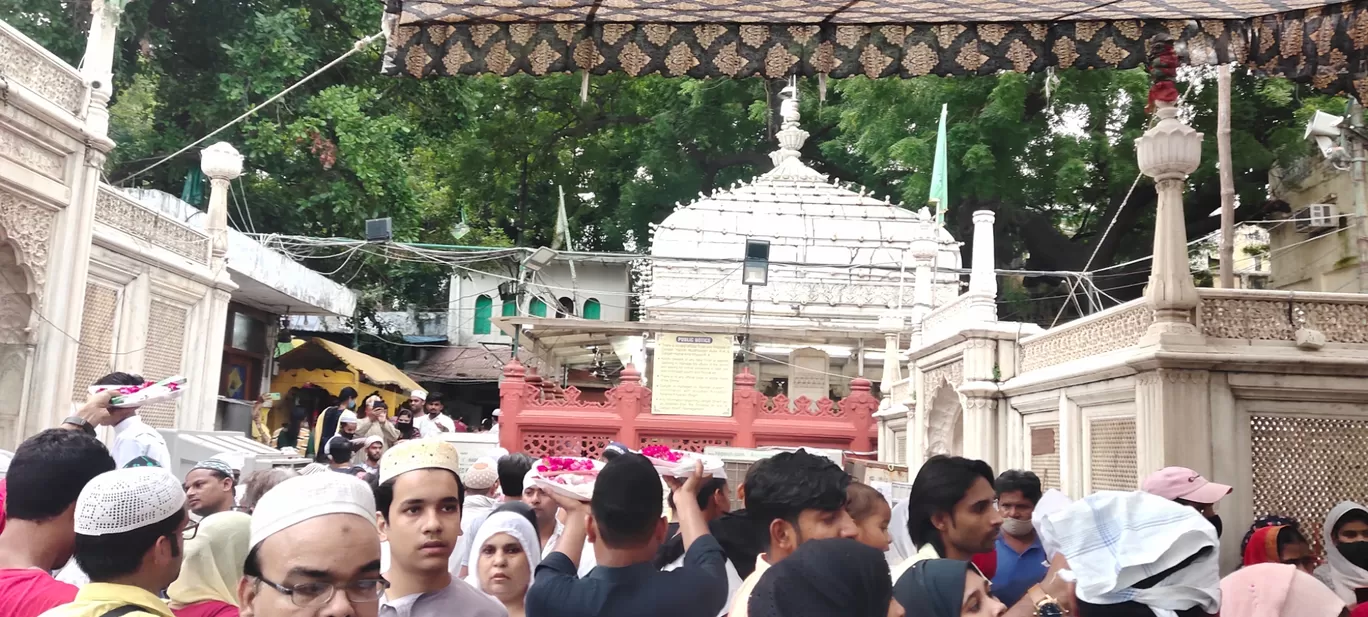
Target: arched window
x,y
510,308
537,308
484,310
567,307
591,309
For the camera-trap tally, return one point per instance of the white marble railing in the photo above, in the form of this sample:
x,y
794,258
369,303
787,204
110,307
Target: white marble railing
x,y
1115,328
26,63
1271,315
122,213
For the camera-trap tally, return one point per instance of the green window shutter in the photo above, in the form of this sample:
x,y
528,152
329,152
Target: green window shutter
x,y
537,308
484,310
591,309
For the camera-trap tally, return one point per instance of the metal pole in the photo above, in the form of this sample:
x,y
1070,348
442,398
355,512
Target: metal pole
x,y
1360,199
517,299
1227,177
750,345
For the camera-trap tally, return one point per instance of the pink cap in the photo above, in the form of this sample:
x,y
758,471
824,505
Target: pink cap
x,y
1173,483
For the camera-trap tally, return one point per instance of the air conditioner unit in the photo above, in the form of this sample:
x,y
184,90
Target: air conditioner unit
x,y
1315,217
379,230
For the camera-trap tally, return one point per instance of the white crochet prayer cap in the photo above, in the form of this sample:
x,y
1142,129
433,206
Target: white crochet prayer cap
x,y
122,500
419,394
347,417
308,497
483,473
416,454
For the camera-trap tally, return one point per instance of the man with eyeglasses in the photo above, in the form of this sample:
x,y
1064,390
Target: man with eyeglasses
x,y
314,551
419,503
130,525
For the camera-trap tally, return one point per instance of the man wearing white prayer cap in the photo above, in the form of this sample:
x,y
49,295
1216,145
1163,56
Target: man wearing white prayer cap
x,y
314,551
481,481
129,526
418,505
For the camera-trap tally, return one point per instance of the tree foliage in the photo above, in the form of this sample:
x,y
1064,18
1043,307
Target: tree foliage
x,y
1052,155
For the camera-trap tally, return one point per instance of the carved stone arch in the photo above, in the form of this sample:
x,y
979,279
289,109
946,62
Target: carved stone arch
x,y
25,234
945,422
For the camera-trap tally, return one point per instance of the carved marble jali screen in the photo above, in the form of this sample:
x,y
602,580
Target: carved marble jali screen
x,y
1303,466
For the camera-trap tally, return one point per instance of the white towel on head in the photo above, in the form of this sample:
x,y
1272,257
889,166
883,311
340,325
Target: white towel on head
x,y
1052,501
1114,540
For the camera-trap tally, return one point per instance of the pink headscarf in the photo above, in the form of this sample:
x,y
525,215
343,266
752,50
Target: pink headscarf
x,y
1277,590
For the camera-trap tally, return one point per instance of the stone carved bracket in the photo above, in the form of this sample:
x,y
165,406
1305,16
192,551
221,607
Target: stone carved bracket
x,y
28,227
949,374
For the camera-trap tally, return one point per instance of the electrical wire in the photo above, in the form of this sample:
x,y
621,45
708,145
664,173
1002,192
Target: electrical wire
x,y
356,47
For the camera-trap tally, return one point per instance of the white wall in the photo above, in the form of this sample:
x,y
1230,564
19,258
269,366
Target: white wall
x,y
607,283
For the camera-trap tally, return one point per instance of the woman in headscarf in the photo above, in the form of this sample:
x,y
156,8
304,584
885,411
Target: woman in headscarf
x,y
212,566
822,578
1275,539
902,547
1346,551
944,588
503,557
1277,590
1159,560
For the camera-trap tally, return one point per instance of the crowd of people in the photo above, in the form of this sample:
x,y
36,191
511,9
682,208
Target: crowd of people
x,y
422,415
96,531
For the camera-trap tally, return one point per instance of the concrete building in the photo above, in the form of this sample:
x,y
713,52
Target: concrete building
x,y
1315,248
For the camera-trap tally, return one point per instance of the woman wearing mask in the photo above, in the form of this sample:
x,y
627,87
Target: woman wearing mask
x,y
1275,539
403,420
212,566
944,588
1346,552
872,515
505,554
1277,590
831,577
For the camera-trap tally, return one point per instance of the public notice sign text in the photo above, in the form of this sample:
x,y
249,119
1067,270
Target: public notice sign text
x,y
692,375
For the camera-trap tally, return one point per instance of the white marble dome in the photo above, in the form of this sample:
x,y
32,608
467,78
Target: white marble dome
x,y
835,253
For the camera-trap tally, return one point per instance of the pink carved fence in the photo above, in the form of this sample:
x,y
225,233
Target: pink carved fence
x,y
541,419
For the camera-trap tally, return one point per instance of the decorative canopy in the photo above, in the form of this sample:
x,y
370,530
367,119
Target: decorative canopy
x,y
1321,42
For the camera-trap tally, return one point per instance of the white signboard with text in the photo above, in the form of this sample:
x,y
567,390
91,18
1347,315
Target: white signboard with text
x,y
692,375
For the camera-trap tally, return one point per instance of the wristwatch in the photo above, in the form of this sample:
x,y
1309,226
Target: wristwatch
x,y
81,422
1045,604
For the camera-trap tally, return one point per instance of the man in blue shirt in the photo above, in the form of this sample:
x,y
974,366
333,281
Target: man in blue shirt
x,y
623,521
1021,561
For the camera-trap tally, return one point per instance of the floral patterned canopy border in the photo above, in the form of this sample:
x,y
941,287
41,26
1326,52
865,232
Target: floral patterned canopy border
x,y
1325,46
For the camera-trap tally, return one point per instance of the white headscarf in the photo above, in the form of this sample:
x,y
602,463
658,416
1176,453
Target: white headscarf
x,y
213,561
1114,540
513,524
902,548
1345,577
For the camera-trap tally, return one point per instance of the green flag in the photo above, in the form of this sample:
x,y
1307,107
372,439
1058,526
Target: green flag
x,y
940,193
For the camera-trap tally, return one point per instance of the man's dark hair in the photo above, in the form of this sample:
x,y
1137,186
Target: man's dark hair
x,y
347,394
105,558
626,502
384,495
786,484
941,483
48,472
339,449
434,397
1018,480
120,379
706,490
512,469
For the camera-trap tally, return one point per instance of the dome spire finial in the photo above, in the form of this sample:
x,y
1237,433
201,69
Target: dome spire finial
x,y
791,136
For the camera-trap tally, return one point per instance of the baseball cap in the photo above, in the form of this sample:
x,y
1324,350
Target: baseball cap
x,y
1174,483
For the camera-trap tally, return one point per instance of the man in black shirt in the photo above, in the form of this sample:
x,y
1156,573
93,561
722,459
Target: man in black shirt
x,y
624,523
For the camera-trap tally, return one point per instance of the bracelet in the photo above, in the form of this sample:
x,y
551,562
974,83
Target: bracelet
x,y
78,421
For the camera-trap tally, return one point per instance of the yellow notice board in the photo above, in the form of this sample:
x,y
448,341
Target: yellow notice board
x,y
692,375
